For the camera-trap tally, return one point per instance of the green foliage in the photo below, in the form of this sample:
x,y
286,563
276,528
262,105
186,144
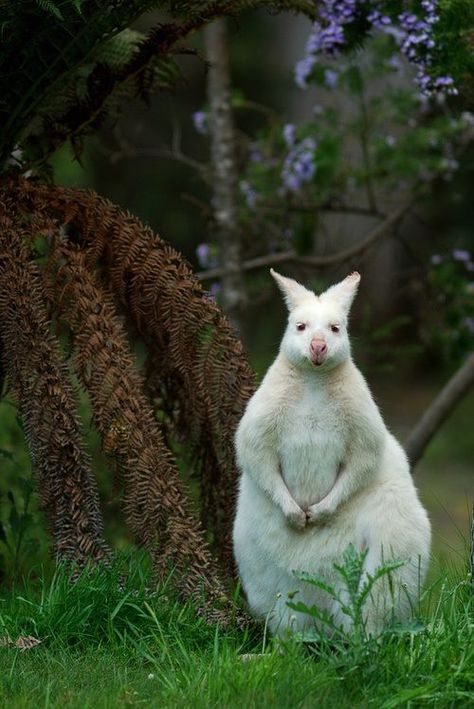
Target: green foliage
x,y
454,42
373,134
51,7
357,587
57,82
103,646
448,323
66,36
112,605
386,345
18,541
23,538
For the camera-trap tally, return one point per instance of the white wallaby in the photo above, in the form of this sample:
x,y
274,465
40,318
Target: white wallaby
x,y
320,471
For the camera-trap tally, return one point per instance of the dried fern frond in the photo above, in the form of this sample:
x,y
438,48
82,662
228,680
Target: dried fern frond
x,y
156,505
200,367
39,380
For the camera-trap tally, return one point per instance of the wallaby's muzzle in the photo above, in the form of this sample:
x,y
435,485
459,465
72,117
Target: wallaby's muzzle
x,y
318,351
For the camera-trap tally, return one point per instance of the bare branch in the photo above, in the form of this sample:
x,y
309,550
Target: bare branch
x,y
126,150
439,410
317,261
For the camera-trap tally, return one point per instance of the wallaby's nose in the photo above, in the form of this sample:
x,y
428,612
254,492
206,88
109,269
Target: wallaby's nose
x,y
318,349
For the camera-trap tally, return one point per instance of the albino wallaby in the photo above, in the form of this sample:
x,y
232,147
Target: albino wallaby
x,y
320,471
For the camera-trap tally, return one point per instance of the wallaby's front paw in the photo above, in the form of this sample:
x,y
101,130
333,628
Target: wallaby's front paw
x,y
318,513
296,518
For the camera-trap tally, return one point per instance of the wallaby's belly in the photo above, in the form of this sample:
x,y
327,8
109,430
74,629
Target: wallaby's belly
x,y
310,456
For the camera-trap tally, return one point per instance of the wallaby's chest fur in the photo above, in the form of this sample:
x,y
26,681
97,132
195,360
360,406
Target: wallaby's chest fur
x,y
311,442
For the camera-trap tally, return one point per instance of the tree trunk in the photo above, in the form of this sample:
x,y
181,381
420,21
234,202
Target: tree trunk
x,y
225,183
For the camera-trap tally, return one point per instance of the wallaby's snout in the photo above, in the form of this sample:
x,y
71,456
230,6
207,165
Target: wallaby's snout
x,y
318,350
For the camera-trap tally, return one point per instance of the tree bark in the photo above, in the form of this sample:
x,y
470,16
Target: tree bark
x,y
439,410
225,182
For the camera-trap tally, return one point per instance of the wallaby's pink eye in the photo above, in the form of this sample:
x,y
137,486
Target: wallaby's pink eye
x,y
301,326
335,328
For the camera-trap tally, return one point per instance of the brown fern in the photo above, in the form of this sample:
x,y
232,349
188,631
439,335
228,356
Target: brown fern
x,y
40,382
203,379
156,505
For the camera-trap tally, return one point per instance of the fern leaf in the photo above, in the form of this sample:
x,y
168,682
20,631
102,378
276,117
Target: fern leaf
x,y
40,382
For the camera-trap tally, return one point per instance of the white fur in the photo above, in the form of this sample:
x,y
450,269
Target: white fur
x,y
321,471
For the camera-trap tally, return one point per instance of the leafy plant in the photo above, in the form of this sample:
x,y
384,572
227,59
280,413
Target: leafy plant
x,y
448,328
388,137
22,539
357,587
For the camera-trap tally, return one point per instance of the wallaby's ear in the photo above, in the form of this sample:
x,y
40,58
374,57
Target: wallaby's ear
x,y
293,292
345,291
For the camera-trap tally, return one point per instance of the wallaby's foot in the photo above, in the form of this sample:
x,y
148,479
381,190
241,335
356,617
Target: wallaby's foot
x,y
249,656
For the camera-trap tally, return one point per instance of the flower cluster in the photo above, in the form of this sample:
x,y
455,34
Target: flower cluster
x,y
203,252
413,33
453,286
207,255
461,255
326,40
201,123
417,45
249,193
299,165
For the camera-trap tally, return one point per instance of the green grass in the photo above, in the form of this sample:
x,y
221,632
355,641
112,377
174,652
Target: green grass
x,y
107,641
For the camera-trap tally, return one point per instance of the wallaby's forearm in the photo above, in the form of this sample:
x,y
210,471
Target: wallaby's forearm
x,y
262,465
264,469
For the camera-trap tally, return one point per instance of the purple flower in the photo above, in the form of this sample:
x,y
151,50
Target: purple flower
x,y
200,121
251,195
255,154
289,134
461,255
215,289
331,78
203,252
326,37
299,165
395,62
446,84
413,34
303,69
378,20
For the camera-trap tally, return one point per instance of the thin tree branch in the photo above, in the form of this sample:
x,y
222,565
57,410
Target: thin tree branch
x,y
126,150
439,410
317,261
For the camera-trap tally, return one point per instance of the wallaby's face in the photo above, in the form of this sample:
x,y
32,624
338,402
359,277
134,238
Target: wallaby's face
x,y
316,336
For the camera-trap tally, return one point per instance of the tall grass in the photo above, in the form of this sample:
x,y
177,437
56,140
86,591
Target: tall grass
x,y
107,640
